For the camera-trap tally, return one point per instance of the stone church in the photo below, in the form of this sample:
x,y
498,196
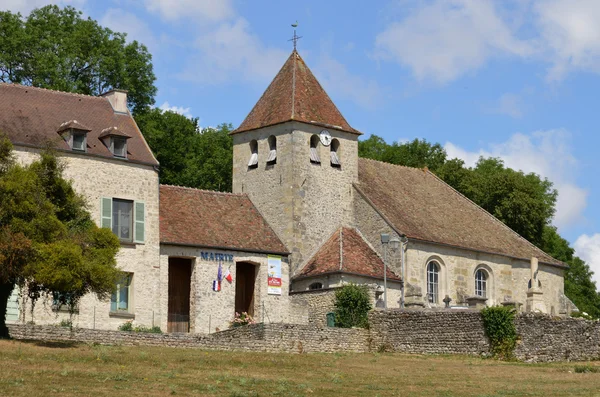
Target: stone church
x,y
306,216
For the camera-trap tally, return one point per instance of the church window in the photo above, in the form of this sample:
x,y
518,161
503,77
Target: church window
x,y
481,283
315,286
314,150
272,159
335,159
253,163
433,281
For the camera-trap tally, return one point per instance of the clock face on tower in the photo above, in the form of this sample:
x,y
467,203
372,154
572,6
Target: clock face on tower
x,y
325,138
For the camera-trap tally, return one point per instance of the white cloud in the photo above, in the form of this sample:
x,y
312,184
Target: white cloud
x,y
177,109
25,6
211,10
547,153
120,20
231,52
588,249
448,38
509,104
336,78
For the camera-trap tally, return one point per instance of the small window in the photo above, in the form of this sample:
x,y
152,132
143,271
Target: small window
x,y
120,300
253,163
481,283
334,149
272,150
314,150
433,279
119,147
122,219
79,141
315,286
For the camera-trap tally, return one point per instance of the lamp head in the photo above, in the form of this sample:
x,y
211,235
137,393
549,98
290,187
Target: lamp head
x,y
385,238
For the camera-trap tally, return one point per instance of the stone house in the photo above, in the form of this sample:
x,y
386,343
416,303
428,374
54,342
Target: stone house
x,y
306,216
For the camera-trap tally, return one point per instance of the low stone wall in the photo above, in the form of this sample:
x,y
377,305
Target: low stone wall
x,y
291,338
545,338
427,332
317,302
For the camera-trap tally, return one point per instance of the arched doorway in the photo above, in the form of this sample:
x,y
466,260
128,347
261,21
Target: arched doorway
x,y
244,287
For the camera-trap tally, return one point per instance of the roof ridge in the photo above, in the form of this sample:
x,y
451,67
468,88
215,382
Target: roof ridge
x,y
478,207
75,94
205,190
393,165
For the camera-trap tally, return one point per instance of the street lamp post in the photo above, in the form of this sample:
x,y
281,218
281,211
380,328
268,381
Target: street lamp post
x,y
404,241
385,239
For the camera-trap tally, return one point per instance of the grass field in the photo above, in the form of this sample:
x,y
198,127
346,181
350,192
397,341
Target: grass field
x,y
57,369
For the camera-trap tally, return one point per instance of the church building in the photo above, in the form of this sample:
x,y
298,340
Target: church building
x,y
306,215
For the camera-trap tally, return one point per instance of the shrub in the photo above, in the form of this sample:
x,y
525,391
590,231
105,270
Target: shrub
x,y
583,315
584,369
352,305
66,323
241,319
500,328
128,326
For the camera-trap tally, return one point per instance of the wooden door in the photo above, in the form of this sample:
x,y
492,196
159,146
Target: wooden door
x,y
244,287
180,274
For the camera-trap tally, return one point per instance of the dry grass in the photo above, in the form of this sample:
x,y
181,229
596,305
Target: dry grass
x,y
41,370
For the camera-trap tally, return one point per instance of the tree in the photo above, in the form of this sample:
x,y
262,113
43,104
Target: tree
x,y
188,156
48,241
58,49
352,305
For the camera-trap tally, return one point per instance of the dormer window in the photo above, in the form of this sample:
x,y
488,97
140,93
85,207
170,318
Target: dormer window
x,y
75,135
116,141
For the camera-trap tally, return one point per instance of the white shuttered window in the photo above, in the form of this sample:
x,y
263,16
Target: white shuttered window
x,y
126,218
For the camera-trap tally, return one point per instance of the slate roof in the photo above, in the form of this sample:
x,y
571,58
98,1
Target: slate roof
x,y
346,252
295,94
419,204
213,219
32,116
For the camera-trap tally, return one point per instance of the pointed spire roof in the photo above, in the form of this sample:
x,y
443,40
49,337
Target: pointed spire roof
x,y
295,94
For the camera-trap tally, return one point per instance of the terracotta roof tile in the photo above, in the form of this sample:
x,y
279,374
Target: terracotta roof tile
x,y
295,94
422,206
113,131
214,219
72,124
357,257
31,116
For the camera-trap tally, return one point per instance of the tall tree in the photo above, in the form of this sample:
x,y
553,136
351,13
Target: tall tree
x,y
48,241
188,155
58,49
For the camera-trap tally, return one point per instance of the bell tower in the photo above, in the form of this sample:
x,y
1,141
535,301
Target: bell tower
x,y
296,156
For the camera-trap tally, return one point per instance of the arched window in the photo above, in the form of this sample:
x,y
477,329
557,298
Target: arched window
x,y
315,286
481,283
433,281
314,150
272,159
253,163
334,148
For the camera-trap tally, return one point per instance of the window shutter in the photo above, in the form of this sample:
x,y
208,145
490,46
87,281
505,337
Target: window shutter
x,y
335,160
106,212
140,227
314,155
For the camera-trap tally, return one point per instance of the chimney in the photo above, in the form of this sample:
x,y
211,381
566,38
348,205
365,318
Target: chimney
x,y
118,100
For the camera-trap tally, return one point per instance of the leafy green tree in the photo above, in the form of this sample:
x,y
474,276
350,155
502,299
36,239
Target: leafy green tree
x,y
48,241
416,153
58,49
188,156
352,305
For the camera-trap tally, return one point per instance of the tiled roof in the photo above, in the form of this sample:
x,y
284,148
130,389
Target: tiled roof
x,y
32,116
214,219
422,206
113,131
72,124
346,252
295,94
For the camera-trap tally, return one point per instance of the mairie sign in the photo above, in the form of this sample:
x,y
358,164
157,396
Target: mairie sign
x,y
215,256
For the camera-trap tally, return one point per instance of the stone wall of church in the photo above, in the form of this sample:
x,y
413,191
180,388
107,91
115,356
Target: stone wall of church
x,y
97,177
304,202
508,278
212,311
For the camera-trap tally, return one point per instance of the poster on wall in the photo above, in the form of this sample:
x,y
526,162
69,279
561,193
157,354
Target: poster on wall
x,y
274,275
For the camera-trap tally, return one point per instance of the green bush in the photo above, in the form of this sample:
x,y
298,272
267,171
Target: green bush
x,y
582,315
500,328
584,369
352,305
66,323
128,326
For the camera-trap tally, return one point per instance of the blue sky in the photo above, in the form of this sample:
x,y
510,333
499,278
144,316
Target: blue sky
x,y
516,79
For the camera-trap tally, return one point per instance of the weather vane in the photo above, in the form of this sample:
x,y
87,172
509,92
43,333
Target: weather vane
x,y
296,37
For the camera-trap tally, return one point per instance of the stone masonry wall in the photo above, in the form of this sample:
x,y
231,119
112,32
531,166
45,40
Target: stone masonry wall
x,y
317,302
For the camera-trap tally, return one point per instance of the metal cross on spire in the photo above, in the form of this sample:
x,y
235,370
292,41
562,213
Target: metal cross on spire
x,y
296,37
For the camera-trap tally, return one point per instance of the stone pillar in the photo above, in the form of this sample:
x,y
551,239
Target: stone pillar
x,y
413,296
535,295
476,302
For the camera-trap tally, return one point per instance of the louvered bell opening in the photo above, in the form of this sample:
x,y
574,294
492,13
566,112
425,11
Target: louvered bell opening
x,y
335,160
272,156
314,155
253,160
